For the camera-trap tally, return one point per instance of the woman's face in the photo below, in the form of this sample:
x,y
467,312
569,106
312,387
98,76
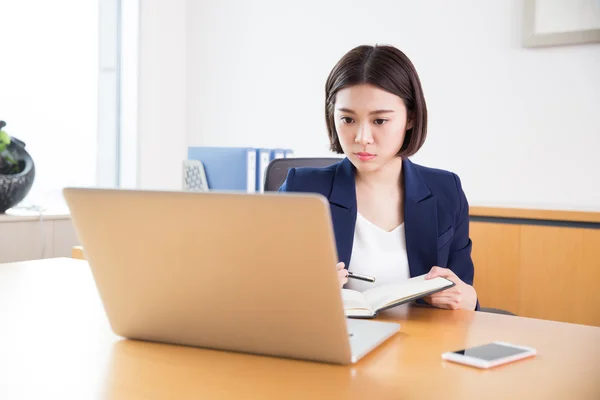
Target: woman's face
x,y
371,125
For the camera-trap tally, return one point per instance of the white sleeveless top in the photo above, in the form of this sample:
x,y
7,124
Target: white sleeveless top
x,y
377,253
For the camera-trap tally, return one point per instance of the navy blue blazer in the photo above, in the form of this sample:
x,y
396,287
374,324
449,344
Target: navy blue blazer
x,y
436,214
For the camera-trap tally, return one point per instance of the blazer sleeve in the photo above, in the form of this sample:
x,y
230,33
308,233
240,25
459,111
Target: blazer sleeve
x,y
288,184
459,260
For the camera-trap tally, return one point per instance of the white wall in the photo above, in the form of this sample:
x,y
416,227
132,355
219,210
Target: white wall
x,y
161,94
520,126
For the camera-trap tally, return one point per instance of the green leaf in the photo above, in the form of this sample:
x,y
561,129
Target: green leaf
x,y
4,138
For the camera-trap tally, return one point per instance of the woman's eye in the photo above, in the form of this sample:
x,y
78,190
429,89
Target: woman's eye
x,y
380,121
347,120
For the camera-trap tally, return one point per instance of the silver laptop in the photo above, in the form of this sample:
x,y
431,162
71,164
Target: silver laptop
x,y
252,273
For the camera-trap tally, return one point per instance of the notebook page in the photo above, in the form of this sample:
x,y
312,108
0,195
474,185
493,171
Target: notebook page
x,y
354,300
384,295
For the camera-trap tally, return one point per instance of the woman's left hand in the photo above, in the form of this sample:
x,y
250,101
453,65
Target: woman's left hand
x,y
459,296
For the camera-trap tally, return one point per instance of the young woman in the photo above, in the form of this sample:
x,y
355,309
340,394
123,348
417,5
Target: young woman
x,y
392,219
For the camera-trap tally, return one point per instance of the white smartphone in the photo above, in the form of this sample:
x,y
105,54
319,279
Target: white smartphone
x,y
490,355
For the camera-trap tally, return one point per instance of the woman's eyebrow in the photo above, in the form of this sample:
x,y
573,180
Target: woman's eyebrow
x,y
349,111
381,112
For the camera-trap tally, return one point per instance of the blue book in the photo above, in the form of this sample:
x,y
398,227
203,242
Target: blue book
x,y
264,157
228,168
281,153
277,153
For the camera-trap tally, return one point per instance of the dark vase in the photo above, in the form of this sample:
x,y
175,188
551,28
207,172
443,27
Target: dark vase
x,y
14,187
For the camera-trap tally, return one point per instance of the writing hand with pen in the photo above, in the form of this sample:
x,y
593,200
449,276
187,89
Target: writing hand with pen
x,y
344,274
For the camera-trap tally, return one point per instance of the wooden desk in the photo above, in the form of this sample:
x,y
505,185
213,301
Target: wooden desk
x,y
77,253
55,342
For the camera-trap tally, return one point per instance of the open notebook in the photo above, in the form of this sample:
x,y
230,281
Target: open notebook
x,y
368,303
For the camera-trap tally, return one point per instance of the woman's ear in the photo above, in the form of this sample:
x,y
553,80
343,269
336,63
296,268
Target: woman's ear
x,y
409,122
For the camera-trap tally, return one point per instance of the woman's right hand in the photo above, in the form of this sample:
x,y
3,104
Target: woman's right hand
x,y
342,274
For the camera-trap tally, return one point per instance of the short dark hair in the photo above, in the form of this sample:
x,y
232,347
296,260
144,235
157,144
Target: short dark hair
x,y
389,69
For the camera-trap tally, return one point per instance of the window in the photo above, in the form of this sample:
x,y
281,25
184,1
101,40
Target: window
x,y
61,91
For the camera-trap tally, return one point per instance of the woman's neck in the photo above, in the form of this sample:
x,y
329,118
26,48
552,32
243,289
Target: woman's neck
x,y
385,178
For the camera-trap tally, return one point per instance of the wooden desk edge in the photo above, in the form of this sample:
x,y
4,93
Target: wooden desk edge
x,y
523,213
78,253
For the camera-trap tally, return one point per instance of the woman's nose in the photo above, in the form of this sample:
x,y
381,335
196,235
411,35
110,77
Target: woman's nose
x,y
364,136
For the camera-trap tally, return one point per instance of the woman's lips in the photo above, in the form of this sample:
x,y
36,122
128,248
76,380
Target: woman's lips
x,y
362,156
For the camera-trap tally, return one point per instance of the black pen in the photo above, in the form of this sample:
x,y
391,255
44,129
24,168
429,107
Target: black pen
x,y
361,277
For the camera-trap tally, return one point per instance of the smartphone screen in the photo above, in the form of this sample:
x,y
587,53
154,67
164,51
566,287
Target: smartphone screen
x,y
490,352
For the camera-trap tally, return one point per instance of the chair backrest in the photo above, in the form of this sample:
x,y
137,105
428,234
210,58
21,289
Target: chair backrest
x,y
277,169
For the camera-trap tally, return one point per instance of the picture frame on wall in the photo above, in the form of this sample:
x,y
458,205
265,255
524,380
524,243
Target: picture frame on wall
x,y
560,22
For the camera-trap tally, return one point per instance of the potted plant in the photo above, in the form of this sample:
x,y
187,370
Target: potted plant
x,y
17,170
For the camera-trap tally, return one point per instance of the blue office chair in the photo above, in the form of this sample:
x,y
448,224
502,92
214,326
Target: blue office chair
x,y
276,173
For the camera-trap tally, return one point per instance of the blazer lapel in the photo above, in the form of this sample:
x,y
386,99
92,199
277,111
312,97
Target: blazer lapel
x,y
420,219
342,201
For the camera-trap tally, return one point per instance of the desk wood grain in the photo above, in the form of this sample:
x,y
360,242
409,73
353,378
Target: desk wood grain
x,y
55,342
